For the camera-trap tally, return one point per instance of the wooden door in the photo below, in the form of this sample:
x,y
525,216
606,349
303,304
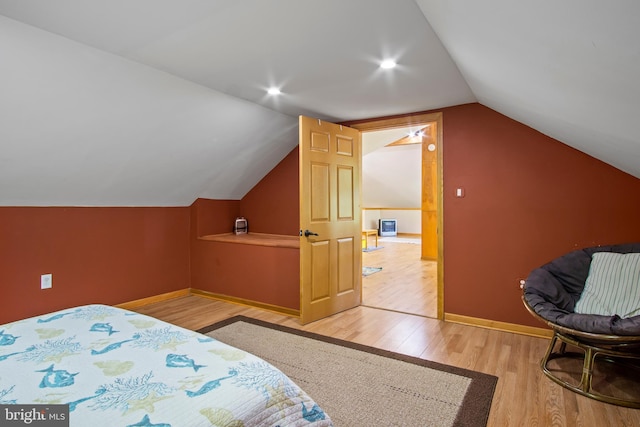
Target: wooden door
x,y
330,219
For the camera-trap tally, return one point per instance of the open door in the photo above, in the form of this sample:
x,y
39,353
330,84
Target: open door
x,y
330,219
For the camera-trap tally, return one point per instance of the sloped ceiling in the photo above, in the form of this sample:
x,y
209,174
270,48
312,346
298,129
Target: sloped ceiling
x,y
158,102
569,69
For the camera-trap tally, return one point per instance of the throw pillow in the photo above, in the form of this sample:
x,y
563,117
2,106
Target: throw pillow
x,y
612,286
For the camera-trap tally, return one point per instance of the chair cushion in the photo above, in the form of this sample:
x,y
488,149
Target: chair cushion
x,y
552,290
612,286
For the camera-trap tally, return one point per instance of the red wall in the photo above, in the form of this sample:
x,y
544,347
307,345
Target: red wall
x,y
528,199
114,255
213,216
257,273
96,255
273,205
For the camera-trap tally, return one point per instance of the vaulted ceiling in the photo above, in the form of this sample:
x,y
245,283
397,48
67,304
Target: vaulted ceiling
x,y
158,102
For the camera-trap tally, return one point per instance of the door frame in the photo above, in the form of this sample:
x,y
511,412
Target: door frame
x,y
420,119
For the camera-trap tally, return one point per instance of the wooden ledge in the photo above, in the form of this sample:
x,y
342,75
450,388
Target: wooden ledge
x,y
257,239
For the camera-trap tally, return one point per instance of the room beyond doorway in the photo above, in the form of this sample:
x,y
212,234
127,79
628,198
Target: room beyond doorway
x,y
406,283
431,228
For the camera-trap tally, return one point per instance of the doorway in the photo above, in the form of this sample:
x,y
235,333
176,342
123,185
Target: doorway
x,y
411,278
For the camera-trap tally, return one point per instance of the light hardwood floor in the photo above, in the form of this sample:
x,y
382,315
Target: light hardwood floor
x,y
406,283
523,396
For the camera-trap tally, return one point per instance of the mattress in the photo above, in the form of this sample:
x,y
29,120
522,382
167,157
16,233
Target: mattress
x,y
114,367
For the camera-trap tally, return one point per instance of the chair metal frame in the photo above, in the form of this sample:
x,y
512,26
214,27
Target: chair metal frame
x,y
611,348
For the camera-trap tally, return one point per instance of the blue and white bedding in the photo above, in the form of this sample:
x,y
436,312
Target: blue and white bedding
x,y
114,367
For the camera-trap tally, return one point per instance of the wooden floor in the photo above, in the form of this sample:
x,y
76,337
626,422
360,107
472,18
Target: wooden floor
x,y
406,283
523,397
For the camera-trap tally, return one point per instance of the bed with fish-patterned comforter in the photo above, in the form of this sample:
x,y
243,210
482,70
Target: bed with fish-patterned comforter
x,y
114,367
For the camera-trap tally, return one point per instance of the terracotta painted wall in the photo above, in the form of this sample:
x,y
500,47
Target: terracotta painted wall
x,y
273,205
96,255
256,273
213,216
528,199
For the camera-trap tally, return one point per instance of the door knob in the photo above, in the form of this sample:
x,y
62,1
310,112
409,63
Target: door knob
x,y
308,233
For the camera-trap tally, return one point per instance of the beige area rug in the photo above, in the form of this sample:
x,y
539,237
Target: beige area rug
x,y
364,386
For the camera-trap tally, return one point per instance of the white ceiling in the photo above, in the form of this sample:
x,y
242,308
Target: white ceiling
x,y
158,102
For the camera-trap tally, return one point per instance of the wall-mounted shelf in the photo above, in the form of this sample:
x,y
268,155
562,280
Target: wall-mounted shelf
x,y
257,239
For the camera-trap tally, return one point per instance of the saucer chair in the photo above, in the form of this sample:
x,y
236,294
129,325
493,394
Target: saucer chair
x,y
591,300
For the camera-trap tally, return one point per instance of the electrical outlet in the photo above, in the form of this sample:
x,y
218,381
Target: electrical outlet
x,y
46,281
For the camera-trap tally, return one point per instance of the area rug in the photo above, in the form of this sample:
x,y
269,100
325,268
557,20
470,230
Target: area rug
x,y
364,386
368,271
372,248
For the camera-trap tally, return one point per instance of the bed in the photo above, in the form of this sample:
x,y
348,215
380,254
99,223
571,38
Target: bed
x,y
114,367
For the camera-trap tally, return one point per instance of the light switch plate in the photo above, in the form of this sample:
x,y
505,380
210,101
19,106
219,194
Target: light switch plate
x,y
46,281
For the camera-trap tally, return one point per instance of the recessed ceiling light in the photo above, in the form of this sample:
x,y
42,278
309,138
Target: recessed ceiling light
x,y
273,91
388,64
